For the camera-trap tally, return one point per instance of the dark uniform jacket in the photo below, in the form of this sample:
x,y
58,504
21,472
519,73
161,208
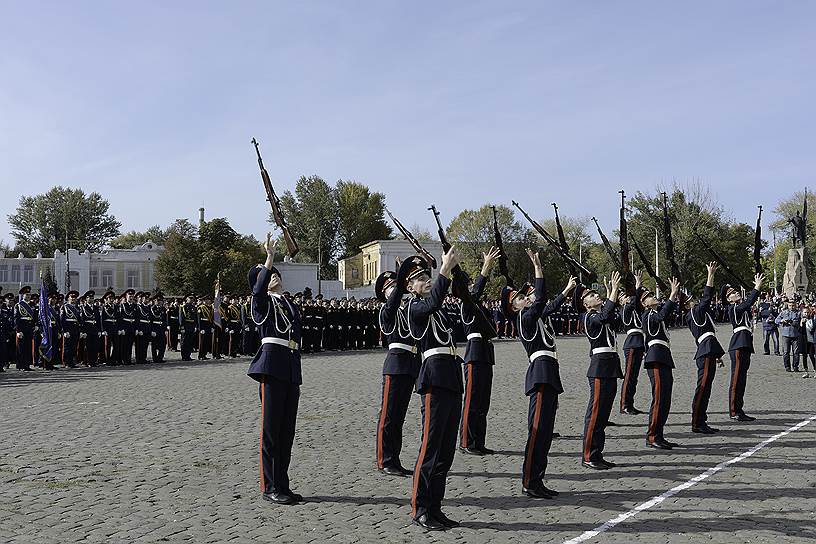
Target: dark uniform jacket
x,y
158,322
24,318
701,324
91,324
538,338
478,349
632,326
278,318
425,318
143,319
740,317
127,318
599,326
395,329
70,320
108,314
188,318
656,336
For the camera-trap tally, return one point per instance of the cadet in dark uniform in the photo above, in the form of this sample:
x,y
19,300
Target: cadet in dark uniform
x,y
543,380
54,322
188,327
709,353
173,323
143,327
604,367
659,363
633,346
159,329
277,367
127,327
479,360
110,332
205,328
439,382
250,334
24,322
742,344
91,329
233,327
400,370
70,325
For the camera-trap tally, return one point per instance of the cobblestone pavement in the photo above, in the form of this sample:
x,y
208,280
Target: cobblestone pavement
x,y
169,453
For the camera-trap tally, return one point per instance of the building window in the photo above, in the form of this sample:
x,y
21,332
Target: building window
x,y
132,279
15,273
28,273
3,273
107,278
355,273
94,279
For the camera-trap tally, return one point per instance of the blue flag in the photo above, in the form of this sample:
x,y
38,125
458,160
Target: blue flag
x,y
46,346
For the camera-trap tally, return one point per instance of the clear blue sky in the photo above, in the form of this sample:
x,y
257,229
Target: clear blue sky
x,y
153,104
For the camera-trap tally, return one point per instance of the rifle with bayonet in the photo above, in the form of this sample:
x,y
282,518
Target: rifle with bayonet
x,y
561,238
274,201
626,260
500,245
722,262
572,264
758,244
649,269
675,269
460,288
608,246
413,241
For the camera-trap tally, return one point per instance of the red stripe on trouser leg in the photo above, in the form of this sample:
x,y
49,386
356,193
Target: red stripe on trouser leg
x,y
593,419
426,424
381,425
533,434
656,408
468,394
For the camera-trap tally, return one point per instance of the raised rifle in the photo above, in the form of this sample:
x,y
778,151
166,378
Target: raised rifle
x,y
721,262
274,201
413,241
626,260
561,238
608,246
758,243
651,271
460,287
572,264
675,269
500,245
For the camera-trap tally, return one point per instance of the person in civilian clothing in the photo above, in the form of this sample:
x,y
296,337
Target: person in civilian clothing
x,y
789,320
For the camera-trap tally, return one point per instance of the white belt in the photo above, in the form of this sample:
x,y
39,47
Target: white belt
x,y
541,352
659,343
634,331
473,335
447,350
405,347
743,328
596,351
291,344
704,336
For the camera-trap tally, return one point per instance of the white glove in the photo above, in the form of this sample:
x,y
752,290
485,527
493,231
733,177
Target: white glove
x,y
231,332
200,332
153,334
67,335
121,333
19,335
105,333
83,335
179,337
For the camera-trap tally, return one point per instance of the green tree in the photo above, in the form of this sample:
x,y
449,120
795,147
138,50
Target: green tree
x,y
361,217
177,268
48,280
135,238
43,222
313,218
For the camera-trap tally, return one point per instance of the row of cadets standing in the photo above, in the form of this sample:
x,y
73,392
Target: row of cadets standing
x,y
400,370
479,360
543,379
440,384
600,318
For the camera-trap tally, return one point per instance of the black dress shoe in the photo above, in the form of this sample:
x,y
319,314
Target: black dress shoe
x,y
671,444
743,417
659,445
547,491
788,370
703,429
486,451
536,493
472,451
611,424
429,523
556,435
440,516
596,465
406,472
278,498
610,464
393,471
296,497
632,411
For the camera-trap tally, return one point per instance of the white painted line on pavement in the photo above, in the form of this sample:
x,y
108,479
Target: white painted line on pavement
x,y
654,501
63,404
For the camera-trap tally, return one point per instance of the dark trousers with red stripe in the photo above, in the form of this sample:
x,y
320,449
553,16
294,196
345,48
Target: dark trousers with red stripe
x,y
601,398
396,396
634,357
279,405
740,362
478,388
441,409
25,350
69,349
706,370
540,424
662,381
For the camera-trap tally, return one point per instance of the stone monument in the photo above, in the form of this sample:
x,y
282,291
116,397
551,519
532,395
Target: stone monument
x,y
795,280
